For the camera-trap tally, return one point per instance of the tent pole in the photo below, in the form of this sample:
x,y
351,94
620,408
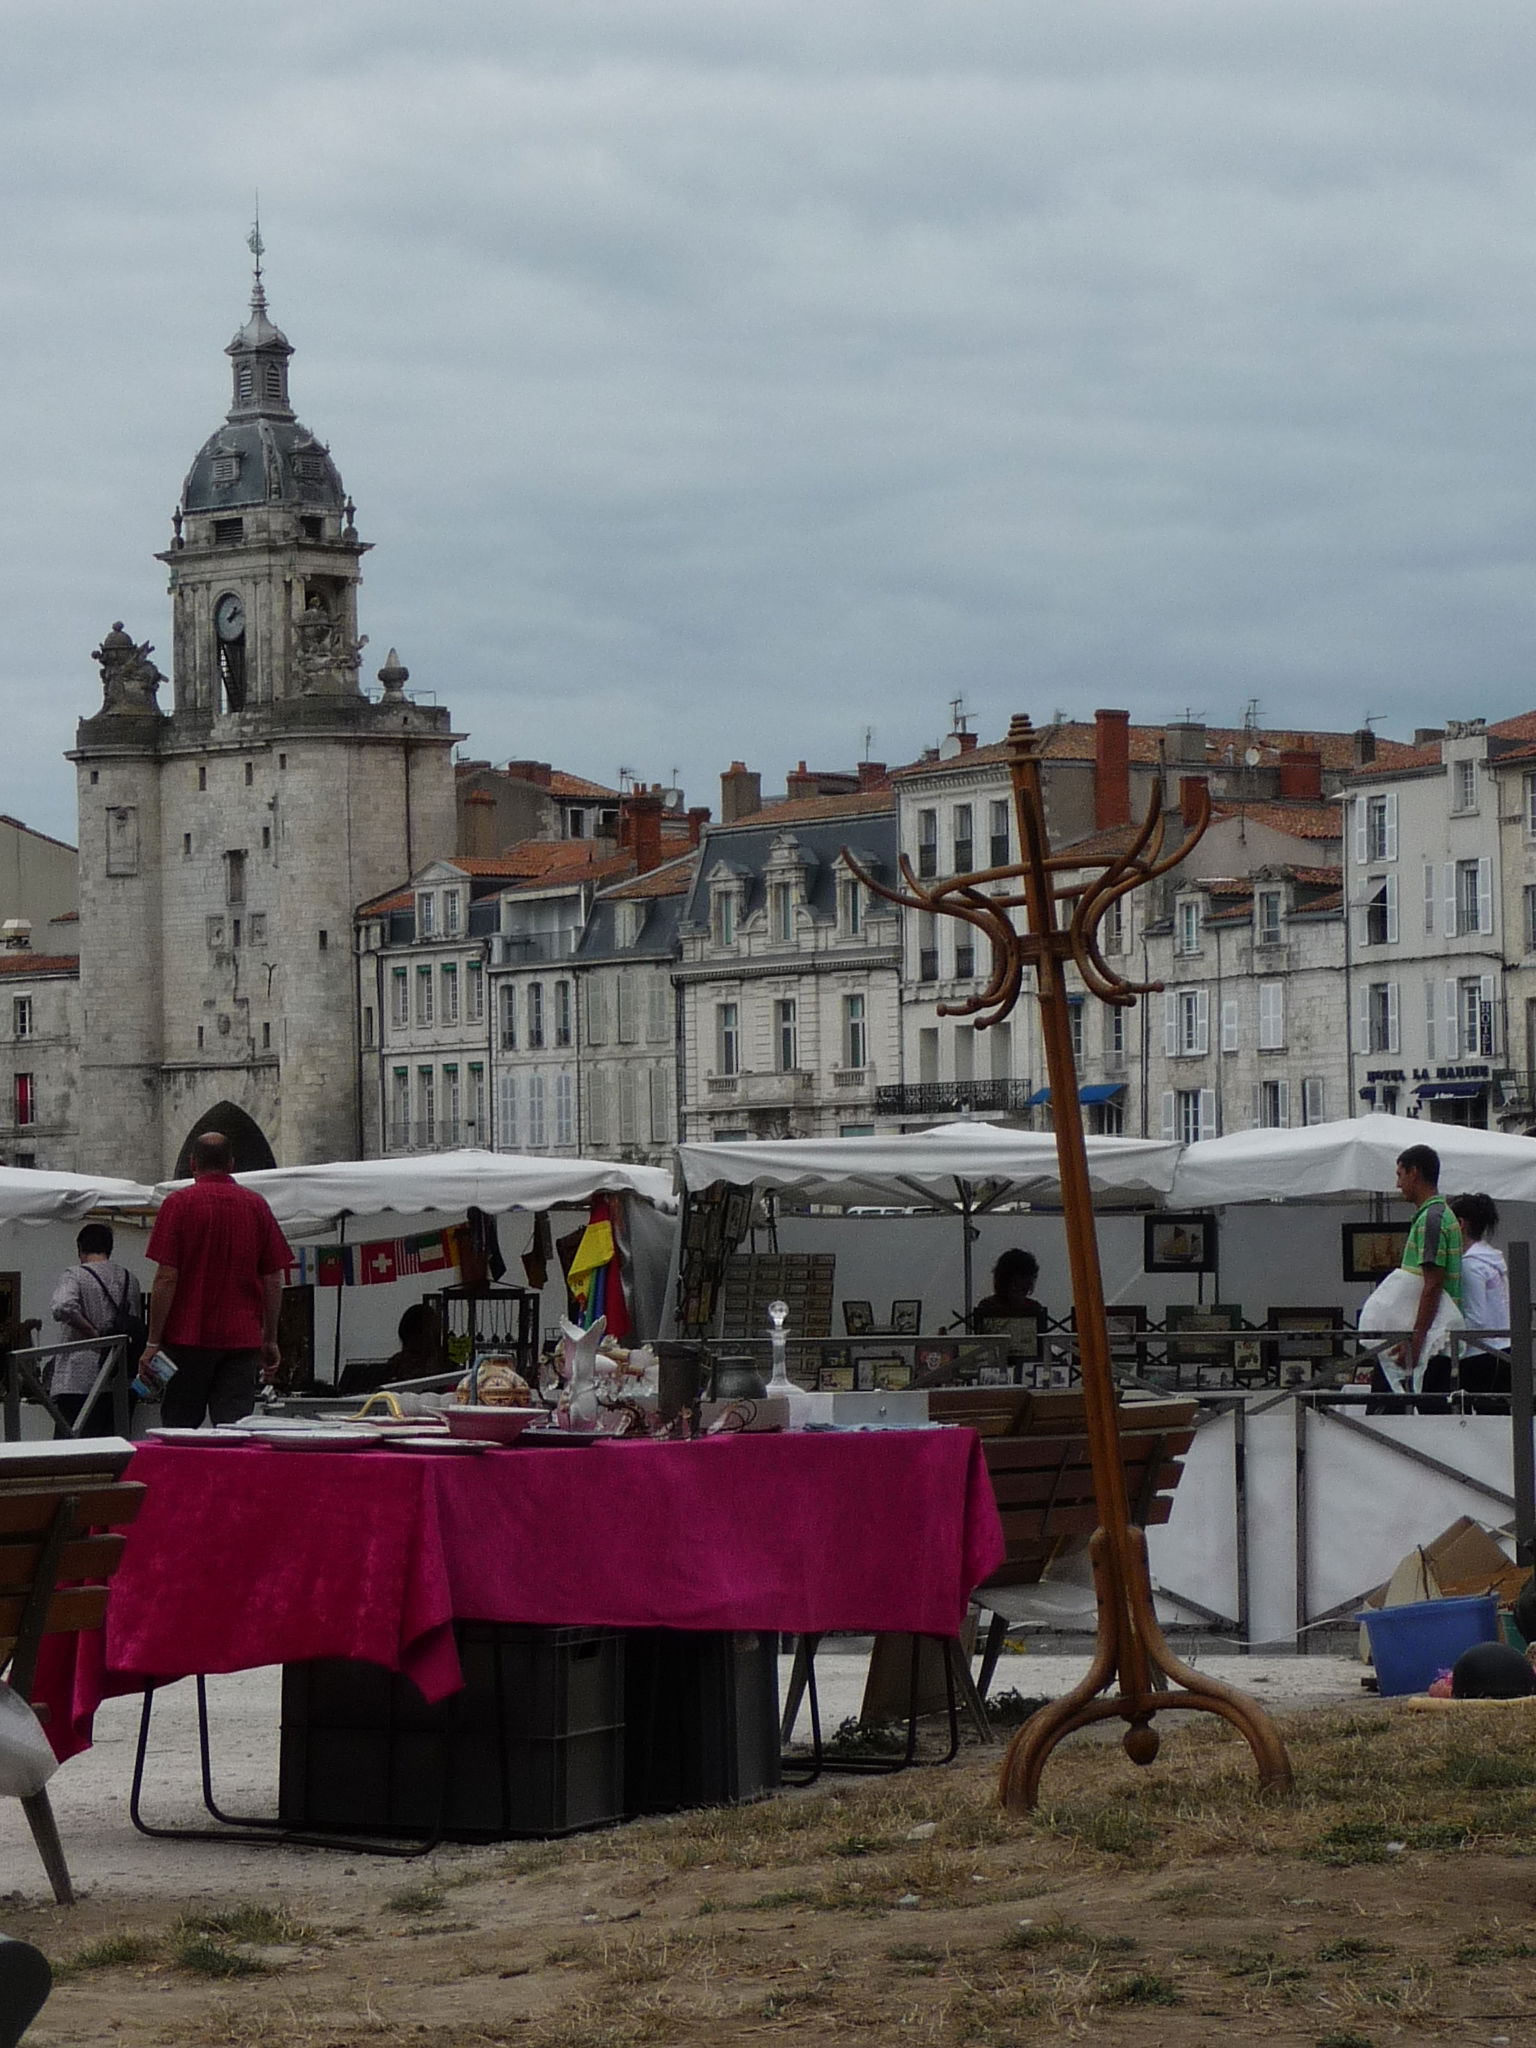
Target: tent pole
x,y
340,1292
1519,1258
969,1235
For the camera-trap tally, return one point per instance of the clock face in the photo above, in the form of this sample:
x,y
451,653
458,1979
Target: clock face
x,y
229,617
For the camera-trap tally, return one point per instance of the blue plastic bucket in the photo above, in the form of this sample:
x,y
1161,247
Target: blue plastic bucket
x,y
1411,1645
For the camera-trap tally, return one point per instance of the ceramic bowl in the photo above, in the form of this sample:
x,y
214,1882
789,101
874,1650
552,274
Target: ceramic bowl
x,y
498,1425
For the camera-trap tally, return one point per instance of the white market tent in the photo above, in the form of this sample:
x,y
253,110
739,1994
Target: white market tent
x,y
1354,1156
965,1168
314,1196
30,1195
885,1171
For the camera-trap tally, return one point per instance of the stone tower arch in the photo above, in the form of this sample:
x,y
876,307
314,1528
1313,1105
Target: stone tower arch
x,y
252,1152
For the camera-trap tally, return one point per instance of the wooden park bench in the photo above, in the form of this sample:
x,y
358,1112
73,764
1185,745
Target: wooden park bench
x,y
1036,1448
62,1509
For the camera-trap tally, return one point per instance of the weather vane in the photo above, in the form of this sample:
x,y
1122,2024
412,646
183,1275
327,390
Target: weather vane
x,y
1064,898
255,244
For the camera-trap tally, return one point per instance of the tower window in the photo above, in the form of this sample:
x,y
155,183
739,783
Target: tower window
x,y
95,777
186,845
272,379
227,532
282,761
199,1037
250,773
266,836
245,383
266,1036
202,778
325,940
234,878
312,527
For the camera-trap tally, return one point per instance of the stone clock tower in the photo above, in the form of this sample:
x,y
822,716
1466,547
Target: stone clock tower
x,y
227,836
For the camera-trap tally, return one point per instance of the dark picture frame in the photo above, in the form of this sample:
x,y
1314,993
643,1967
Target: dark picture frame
x,y
738,1214
906,1318
1303,1336
1372,1250
1179,1244
1025,1334
858,1318
1185,1319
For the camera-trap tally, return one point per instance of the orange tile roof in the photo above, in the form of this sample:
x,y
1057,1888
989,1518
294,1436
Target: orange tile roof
x,y
1320,878
558,860
1103,845
1076,740
561,784
380,906
21,962
811,810
66,917
1521,727
1300,821
675,878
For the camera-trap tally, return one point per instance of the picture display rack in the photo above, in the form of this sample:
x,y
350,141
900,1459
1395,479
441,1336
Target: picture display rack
x,y
804,1281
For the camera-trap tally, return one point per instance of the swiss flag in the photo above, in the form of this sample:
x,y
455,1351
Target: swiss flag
x,y
377,1263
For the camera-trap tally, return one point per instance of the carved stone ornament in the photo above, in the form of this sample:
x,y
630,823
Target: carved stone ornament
x,y
326,660
129,679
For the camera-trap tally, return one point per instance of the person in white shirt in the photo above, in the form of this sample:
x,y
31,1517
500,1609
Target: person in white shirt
x,y
1484,1296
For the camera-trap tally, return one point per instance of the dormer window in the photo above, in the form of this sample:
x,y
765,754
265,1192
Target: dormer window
x,y
781,913
426,915
1267,905
452,920
723,914
226,469
627,923
850,903
1186,925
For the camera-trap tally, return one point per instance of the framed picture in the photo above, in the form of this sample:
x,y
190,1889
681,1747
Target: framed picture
x,y
1372,1250
1179,1244
891,1373
1215,1376
738,1214
859,1318
1025,1334
938,1360
906,1318
835,1374
1186,1349
1309,1339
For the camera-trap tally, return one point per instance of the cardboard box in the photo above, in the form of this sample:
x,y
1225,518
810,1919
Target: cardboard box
x,y
1463,1559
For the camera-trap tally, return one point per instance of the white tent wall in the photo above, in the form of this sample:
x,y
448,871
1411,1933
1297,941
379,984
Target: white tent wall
x,y
1271,1256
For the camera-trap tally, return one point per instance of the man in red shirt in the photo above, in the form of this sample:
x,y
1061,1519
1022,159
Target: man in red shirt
x,y
214,1303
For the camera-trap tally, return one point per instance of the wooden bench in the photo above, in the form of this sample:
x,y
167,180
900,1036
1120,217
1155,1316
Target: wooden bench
x,y
1037,1453
62,1509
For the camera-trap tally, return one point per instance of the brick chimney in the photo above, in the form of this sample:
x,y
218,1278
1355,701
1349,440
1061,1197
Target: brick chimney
x,y
801,783
1365,747
478,825
1301,773
640,828
872,775
537,772
741,793
1111,769
698,818
1191,788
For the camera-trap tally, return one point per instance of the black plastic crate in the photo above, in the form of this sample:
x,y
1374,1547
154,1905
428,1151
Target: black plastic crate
x,y
701,1717
532,1746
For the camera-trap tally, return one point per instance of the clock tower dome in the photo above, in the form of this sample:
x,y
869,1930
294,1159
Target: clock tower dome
x,y
227,836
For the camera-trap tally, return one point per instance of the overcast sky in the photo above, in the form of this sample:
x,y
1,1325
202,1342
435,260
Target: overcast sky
x,y
725,377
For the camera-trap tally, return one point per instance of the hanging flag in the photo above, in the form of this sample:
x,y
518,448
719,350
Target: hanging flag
x,y
432,1252
333,1265
378,1263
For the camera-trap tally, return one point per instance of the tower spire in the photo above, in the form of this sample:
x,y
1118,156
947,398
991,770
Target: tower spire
x,y
258,249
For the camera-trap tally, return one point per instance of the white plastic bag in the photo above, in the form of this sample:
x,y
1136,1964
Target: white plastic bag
x,y
1391,1309
26,1760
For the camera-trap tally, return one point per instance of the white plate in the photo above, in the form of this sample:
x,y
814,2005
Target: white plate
x,y
474,1445
319,1440
201,1436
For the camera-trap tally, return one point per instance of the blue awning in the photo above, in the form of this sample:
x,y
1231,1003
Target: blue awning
x,y
1096,1091
1426,1088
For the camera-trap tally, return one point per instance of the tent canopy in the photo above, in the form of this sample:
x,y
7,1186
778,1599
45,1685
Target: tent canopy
x,y
450,1181
29,1195
888,1171
1355,1156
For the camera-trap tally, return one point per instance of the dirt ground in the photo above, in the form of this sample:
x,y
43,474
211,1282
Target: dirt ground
x,y
1392,1900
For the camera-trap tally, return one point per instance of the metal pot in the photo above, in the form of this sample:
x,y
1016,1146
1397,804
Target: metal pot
x,y
738,1379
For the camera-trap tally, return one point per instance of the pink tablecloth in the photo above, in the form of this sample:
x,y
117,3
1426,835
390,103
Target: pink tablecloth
x,y
247,1556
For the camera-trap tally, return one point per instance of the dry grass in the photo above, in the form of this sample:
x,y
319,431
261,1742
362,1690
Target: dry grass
x,y
1382,1903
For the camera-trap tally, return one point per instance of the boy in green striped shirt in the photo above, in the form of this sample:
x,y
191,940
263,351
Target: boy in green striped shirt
x,y
1433,1250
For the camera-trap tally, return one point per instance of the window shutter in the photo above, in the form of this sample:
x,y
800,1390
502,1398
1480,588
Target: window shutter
x,y
1362,1017
1271,1016
597,1011
1229,1014
596,1092
1285,1105
1431,1018
1429,899
1207,1112
506,1112
1451,1046
1449,876
1485,894
1361,846
1202,1020
1170,1023
1393,1041
1392,910
1169,1130
1389,851
1258,1106
1490,1014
